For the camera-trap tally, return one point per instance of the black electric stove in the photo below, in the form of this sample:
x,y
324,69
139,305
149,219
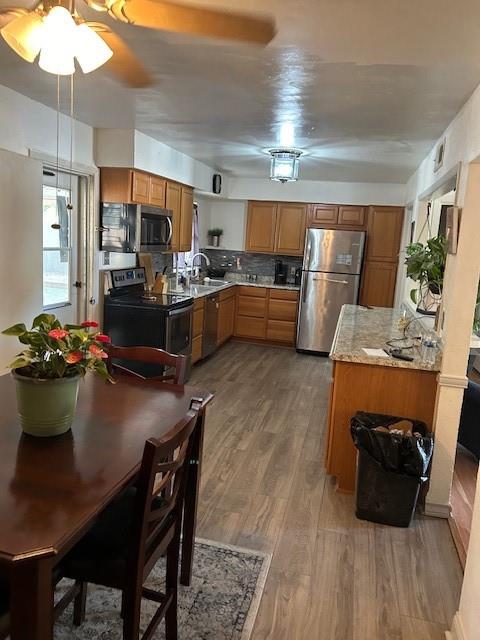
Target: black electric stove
x,y
133,317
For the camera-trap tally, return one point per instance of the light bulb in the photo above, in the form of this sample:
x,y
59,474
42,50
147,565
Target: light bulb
x,y
25,35
58,46
90,50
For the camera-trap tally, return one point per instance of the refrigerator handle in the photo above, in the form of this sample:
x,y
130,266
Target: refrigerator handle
x,y
332,280
304,286
308,251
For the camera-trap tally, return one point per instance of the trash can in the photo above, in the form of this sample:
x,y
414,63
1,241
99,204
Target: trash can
x,y
393,461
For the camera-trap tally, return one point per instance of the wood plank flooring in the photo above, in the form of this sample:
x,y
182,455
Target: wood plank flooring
x,y
264,487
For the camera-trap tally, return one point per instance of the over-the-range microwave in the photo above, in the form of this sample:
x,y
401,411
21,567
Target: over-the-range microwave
x,y
128,228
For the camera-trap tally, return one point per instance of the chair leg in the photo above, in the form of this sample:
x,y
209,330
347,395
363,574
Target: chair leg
x,y
131,604
80,604
171,584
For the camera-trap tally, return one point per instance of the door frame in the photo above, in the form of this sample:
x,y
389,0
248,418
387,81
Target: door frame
x,y
90,174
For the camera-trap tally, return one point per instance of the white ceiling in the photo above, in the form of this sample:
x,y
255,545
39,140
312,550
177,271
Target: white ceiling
x,y
368,85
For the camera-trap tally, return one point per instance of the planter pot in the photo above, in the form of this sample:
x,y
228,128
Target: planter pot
x,y
429,302
214,241
46,407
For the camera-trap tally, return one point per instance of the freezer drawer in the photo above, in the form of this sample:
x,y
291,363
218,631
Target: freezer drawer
x,y
321,299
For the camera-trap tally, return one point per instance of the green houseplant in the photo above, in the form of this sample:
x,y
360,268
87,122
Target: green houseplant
x,y
48,370
426,265
214,236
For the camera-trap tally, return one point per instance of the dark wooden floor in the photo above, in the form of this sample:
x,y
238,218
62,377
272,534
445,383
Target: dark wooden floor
x,y
264,487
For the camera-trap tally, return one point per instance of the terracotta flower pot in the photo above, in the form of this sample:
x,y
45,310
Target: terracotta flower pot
x,y
46,407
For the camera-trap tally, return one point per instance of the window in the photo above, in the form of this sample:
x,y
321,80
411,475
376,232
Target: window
x,y
57,248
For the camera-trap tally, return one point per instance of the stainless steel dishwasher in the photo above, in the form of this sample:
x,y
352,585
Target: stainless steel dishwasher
x,y
211,325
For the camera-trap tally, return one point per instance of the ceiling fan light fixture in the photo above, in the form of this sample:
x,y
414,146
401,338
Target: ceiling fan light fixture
x,y
284,165
25,35
90,50
58,46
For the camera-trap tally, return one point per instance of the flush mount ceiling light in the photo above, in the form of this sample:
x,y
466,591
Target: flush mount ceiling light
x,y
284,165
59,38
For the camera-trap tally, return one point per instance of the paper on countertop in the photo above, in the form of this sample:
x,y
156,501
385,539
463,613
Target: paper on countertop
x,y
376,353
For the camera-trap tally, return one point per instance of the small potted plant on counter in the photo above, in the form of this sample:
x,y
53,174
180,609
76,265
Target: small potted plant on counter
x,y
214,236
426,265
47,372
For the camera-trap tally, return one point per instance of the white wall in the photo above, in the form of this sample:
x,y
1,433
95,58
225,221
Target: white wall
x,y
312,191
128,148
20,246
230,215
26,125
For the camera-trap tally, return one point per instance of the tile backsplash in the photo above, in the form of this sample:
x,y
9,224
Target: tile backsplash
x,y
241,262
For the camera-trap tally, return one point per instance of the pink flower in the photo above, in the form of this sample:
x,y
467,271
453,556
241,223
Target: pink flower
x,y
101,337
90,323
97,351
58,334
73,357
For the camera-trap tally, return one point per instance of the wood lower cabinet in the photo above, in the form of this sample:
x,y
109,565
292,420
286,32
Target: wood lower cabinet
x,y
226,315
252,306
290,229
261,226
378,284
246,327
267,314
197,329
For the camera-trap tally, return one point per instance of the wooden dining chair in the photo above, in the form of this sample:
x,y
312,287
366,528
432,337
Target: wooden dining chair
x,y
132,533
148,355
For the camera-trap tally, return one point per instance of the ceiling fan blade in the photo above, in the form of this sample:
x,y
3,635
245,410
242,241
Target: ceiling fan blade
x,y
124,64
180,18
7,15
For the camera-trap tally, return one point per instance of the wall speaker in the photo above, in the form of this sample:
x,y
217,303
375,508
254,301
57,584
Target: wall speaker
x,y
217,183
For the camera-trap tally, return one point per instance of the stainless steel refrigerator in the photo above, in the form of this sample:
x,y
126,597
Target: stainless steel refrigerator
x,y
330,278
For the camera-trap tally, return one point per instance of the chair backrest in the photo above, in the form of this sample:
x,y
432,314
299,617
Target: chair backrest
x,y
161,489
147,355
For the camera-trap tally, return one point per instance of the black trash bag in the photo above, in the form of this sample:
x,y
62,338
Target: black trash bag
x,y
409,455
390,470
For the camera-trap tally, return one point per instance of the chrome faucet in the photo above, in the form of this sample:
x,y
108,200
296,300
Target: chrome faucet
x,y
195,269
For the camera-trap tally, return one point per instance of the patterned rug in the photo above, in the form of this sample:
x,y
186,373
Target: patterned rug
x,y
221,603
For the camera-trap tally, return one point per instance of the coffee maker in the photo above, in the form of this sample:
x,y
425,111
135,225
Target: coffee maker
x,y
281,271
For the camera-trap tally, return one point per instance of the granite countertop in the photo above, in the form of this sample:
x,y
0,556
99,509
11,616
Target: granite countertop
x,y
359,328
201,291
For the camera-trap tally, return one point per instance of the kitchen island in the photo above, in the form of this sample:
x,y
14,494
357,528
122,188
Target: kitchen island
x,y
375,383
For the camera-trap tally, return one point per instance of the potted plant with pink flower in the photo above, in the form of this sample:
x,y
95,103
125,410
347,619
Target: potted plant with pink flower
x,y
47,372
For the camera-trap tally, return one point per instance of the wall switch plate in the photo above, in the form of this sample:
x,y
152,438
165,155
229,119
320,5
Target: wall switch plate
x,y
106,258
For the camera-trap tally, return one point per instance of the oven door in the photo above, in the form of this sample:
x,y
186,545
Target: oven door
x,y
156,229
179,332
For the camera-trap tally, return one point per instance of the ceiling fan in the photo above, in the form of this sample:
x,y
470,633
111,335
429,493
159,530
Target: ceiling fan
x,y
55,30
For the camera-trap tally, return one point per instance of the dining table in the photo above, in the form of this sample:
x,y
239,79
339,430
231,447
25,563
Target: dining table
x,y
53,489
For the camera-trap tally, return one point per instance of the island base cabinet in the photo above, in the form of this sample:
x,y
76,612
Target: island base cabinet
x,y
407,393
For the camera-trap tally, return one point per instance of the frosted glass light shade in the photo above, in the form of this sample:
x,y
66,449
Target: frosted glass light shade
x,y
58,47
90,50
285,164
25,35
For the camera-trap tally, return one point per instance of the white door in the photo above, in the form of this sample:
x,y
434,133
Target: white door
x,y
63,288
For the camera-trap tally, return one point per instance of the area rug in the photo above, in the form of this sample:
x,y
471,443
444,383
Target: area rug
x,y
221,603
